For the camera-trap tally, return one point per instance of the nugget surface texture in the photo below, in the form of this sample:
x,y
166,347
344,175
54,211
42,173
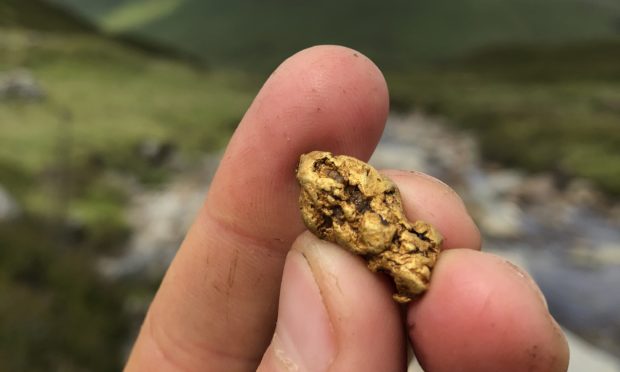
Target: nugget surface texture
x,y
347,202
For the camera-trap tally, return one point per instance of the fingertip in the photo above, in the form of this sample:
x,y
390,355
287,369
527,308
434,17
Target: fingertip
x,y
334,88
427,198
304,336
334,314
335,74
481,314
322,98
366,321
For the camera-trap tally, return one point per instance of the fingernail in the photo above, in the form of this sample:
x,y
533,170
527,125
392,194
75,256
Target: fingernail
x,y
304,338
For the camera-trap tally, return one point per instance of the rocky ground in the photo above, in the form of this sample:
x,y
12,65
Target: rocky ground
x,y
563,231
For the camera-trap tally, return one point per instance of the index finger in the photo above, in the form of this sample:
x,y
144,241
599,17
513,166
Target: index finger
x,y
216,307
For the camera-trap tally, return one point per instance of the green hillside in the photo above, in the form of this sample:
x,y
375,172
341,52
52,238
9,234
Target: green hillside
x,y
68,156
537,108
395,33
39,15
492,55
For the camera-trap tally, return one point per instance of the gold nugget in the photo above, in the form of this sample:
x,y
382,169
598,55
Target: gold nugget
x,y
347,202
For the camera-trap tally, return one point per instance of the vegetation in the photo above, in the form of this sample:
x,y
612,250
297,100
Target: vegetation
x,y
39,15
256,35
55,312
525,75
67,158
539,108
103,101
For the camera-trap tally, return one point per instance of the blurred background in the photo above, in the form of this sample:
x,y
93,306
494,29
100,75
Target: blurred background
x,y
113,114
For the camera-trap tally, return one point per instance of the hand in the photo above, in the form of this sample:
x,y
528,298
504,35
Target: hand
x,y
217,306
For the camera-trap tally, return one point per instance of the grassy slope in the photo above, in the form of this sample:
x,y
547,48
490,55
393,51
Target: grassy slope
x,y
115,96
66,159
92,9
39,15
541,108
554,109
394,33
107,99
103,99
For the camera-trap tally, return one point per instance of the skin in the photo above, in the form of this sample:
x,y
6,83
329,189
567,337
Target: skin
x,y
236,279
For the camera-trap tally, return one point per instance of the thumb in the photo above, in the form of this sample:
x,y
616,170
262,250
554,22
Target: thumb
x,y
334,314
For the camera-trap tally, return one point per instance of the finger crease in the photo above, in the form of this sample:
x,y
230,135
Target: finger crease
x,y
249,238
181,355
